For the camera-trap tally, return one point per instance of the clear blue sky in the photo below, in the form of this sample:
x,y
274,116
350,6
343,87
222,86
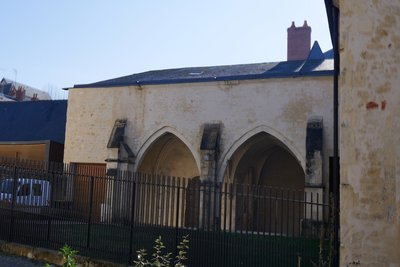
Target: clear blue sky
x,y
50,44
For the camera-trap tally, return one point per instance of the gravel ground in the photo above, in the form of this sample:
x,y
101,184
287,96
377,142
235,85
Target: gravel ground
x,y
15,261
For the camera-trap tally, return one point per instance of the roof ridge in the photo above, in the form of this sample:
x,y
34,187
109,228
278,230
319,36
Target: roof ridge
x,y
216,73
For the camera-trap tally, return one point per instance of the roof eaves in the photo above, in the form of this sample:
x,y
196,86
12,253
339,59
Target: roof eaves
x,y
27,142
210,79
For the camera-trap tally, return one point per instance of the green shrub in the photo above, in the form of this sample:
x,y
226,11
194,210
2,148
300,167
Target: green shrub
x,y
68,256
160,258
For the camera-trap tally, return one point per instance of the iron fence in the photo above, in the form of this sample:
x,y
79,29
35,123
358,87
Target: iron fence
x,y
112,217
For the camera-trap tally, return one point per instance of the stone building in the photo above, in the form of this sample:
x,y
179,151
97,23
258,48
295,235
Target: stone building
x,y
369,123
33,130
261,124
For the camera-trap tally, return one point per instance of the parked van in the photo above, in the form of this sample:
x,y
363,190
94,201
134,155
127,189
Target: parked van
x,y
29,192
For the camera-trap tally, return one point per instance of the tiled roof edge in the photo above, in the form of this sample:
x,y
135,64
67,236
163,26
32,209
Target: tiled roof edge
x,y
208,79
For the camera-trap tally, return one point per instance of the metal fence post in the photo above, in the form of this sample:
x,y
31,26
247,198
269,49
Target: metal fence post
x,y
177,215
51,203
13,197
90,211
132,219
271,233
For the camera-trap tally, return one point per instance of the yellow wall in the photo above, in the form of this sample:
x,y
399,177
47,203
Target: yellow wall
x,y
280,107
369,132
23,151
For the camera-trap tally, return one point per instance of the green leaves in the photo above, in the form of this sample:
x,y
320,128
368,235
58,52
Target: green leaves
x,y
182,251
160,258
68,255
141,259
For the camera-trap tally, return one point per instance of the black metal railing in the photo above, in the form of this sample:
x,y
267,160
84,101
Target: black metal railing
x,y
112,217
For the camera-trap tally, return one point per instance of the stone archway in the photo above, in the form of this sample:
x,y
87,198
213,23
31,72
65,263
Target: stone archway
x,y
259,164
168,156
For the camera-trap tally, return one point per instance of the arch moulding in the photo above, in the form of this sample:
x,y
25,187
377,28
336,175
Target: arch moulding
x,y
290,146
154,137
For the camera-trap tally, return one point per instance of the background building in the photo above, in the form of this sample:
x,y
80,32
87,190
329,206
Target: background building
x,y
33,130
13,91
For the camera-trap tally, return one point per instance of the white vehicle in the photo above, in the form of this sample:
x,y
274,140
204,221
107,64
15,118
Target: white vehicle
x,y
29,192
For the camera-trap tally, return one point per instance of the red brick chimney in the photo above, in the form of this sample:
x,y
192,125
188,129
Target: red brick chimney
x,y
299,42
20,93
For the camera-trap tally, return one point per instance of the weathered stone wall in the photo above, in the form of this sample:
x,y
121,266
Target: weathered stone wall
x,y
369,138
280,107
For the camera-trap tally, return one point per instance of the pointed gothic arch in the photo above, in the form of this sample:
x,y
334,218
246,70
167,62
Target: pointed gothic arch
x,y
166,155
259,162
280,139
166,141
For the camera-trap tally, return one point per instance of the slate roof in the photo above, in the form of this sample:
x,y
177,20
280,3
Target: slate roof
x,y
315,65
33,121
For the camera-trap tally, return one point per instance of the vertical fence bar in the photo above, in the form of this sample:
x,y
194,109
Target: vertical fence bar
x,y
172,201
203,206
311,213
90,211
293,212
178,186
183,202
280,224
302,226
162,211
168,202
132,218
230,207
138,202
225,204
265,229
51,169
13,198
153,199
147,207
287,211
256,210
216,194
240,196
298,221
247,204
140,198
157,200
209,206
